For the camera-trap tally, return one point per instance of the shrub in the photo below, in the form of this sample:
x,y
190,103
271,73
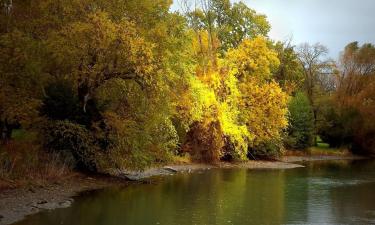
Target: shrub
x,y
266,150
67,138
336,128
301,123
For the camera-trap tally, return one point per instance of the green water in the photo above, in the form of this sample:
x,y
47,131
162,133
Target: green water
x,y
337,192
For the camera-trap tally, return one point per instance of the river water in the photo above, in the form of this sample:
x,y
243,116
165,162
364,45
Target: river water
x,y
334,192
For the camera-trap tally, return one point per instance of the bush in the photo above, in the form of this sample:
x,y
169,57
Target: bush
x,y
67,138
301,123
266,150
336,128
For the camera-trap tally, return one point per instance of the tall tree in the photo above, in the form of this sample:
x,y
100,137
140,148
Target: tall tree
x,y
315,69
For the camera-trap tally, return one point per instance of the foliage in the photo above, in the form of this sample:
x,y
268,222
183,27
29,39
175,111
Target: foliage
x,y
301,122
269,149
231,23
134,126
355,95
254,59
289,74
128,83
205,142
262,102
67,138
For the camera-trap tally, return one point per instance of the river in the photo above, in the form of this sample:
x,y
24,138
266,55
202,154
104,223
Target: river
x,y
330,192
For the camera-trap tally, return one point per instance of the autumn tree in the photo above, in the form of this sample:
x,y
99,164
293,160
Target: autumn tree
x,y
354,98
263,103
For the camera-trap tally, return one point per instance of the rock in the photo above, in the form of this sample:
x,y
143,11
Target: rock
x,y
42,202
170,169
66,203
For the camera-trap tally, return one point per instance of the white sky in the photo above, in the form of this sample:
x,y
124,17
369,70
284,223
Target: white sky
x,y
334,23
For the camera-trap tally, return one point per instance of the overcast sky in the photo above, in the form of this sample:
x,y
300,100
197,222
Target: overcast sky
x,y
333,23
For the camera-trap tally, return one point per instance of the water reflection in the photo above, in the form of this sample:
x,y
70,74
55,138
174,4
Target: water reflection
x,y
322,193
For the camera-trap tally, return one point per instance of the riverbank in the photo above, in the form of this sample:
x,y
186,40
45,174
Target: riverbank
x,y
17,203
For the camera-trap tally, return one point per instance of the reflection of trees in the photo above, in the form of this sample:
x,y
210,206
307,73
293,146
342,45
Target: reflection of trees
x,y
296,196
213,197
355,202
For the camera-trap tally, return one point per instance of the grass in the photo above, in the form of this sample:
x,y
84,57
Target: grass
x,y
321,148
22,162
324,150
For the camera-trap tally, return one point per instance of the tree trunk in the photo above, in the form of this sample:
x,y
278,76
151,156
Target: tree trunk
x,y
6,130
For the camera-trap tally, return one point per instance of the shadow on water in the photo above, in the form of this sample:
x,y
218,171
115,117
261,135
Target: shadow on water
x,y
334,192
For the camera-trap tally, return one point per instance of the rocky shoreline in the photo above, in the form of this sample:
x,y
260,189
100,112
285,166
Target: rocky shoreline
x,y
17,203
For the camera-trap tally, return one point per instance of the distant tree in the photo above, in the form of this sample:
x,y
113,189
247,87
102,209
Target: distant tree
x,y
290,73
301,122
355,95
230,22
315,69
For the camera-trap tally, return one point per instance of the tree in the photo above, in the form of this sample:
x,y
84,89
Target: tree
x,y
290,73
108,51
21,83
315,69
301,122
230,23
355,95
263,104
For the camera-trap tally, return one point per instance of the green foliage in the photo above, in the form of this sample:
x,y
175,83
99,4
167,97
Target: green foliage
x,y
301,123
67,138
232,23
134,126
336,127
269,149
290,72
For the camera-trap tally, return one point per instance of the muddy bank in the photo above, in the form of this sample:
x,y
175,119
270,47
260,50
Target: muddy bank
x,y
17,203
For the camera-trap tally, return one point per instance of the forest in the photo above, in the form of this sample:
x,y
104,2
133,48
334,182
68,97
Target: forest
x,y
93,85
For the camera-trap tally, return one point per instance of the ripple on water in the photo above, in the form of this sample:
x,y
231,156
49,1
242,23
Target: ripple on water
x,y
332,182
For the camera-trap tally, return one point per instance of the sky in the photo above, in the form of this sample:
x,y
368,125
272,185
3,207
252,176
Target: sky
x,y
333,23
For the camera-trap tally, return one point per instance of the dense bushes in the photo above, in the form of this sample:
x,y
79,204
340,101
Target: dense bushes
x,y
70,139
270,149
300,131
336,127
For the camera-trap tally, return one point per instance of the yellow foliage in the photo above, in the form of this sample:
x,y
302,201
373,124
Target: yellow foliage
x,y
253,58
264,109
